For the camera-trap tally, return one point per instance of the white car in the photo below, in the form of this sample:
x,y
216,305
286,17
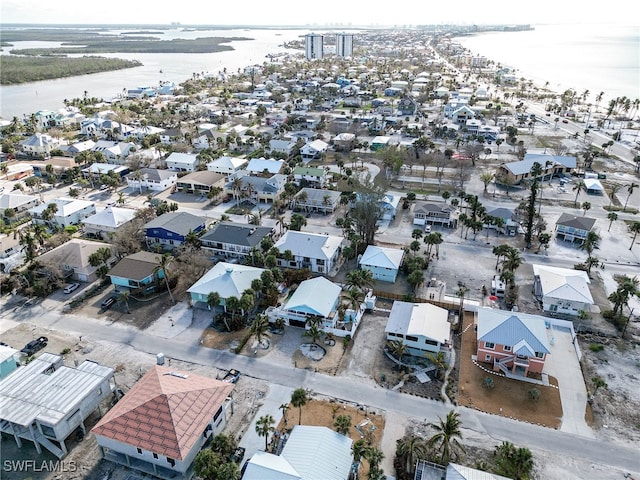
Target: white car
x,y
71,287
427,229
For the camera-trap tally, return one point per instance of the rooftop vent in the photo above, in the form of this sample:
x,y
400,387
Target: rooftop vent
x,y
176,374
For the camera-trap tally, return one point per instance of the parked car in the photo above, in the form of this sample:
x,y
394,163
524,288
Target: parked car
x,y
71,287
427,229
238,455
34,346
107,303
231,376
111,204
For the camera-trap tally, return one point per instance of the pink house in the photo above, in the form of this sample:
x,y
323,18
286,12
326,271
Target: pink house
x,y
514,343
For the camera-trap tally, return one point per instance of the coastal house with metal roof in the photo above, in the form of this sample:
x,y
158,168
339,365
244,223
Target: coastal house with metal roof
x,y
162,423
383,262
182,162
45,401
256,189
227,165
421,327
562,290
20,204
514,343
234,240
200,182
72,258
266,166
39,145
310,453
313,150
313,251
228,279
552,166
9,360
107,222
170,229
316,200
68,211
152,179
573,228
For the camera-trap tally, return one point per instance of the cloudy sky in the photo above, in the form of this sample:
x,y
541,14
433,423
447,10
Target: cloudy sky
x,y
322,12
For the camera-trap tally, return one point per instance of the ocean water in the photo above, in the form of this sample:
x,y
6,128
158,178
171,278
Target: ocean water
x,y
598,58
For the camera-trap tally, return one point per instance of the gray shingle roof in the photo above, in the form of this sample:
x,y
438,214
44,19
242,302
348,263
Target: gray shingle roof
x,y
178,222
236,234
574,221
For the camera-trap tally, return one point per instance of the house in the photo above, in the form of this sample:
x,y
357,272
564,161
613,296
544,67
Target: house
x,y
45,401
593,186
311,176
201,182
72,258
96,170
151,179
453,471
78,147
114,152
562,290
316,200
137,273
379,142
505,218
258,189
182,162
9,360
313,251
310,453
226,165
384,263
103,225
67,211
313,150
39,145
421,327
573,228
552,166
454,105
11,253
407,106
515,343
162,423
426,213
285,147
228,279
235,240
344,142
18,203
170,229
462,115
259,166
389,206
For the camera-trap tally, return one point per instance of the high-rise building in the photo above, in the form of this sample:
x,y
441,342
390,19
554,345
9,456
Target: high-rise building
x,y
314,45
344,45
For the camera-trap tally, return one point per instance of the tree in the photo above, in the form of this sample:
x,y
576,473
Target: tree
x,y
585,207
264,425
359,279
163,265
627,287
100,259
260,328
635,229
439,360
598,383
500,251
224,445
285,408
612,216
512,462
397,349
314,333
590,243
342,424
209,465
299,399
630,188
486,178
446,436
578,187
410,449
123,297
297,222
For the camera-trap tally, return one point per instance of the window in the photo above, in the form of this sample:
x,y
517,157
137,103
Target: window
x,y
217,414
171,461
411,338
430,342
506,348
489,345
47,431
139,451
487,358
155,455
539,355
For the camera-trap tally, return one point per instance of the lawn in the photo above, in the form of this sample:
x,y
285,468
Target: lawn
x,y
509,398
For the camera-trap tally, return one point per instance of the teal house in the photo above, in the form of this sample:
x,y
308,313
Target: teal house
x,y
8,360
138,273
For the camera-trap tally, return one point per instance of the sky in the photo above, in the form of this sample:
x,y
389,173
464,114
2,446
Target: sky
x,y
322,12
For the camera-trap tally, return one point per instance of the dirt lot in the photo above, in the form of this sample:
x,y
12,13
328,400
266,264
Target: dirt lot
x,y
130,365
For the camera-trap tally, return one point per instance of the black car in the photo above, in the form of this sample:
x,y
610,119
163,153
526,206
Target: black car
x,y
107,303
238,455
35,346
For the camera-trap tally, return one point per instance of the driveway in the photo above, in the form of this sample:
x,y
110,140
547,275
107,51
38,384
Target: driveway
x,y
563,364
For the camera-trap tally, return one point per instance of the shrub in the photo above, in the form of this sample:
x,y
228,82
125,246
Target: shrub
x,y
596,347
65,351
534,393
488,382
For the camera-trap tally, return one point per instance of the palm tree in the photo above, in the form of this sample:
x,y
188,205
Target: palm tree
x,y
397,349
627,287
163,265
615,188
342,424
630,188
579,187
512,260
635,229
500,251
299,399
120,200
124,298
260,328
512,462
590,243
314,333
410,449
284,407
354,298
223,444
585,207
446,436
264,425
439,361
612,216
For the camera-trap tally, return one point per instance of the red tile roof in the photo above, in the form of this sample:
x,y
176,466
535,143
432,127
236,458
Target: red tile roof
x,y
165,412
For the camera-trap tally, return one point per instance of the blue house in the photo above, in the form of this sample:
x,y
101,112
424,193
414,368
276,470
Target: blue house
x,y
383,263
171,229
8,360
137,273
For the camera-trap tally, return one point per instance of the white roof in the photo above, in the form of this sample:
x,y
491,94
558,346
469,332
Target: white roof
x,y
30,394
419,319
593,184
460,472
267,466
382,257
66,206
564,283
232,163
6,353
185,158
111,217
315,296
312,245
228,279
259,165
15,200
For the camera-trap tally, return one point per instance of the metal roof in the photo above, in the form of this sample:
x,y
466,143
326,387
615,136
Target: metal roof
x,y
30,394
563,283
315,296
515,329
312,245
228,279
419,319
382,257
581,223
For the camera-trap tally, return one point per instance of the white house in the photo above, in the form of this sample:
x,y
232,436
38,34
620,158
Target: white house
x,y
162,423
39,145
422,327
258,166
45,401
107,222
228,279
562,290
316,200
182,162
282,146
313,150
114,152
314,251
226,165
384,263
69,211
19,203
151,179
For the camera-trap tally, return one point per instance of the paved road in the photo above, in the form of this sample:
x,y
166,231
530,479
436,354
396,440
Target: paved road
x,y
495,427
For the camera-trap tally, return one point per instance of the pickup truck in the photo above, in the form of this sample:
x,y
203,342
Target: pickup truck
x,y
34,346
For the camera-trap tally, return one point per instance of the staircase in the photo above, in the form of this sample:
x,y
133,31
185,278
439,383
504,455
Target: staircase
x,y
49,445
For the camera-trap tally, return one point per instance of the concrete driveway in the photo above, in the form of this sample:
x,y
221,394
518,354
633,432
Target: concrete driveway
x,y
564,366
